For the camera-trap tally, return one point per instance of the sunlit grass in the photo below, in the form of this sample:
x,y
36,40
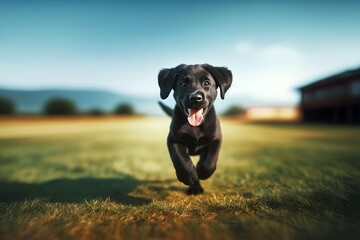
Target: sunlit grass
x,y
113,179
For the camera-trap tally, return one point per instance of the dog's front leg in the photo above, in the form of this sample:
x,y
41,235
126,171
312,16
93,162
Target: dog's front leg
x,y
184,166
208,159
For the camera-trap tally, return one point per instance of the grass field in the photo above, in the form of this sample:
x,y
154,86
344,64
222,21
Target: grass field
x,y
112,178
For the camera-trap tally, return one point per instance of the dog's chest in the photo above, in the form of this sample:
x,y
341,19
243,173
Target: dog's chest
x,y
193,138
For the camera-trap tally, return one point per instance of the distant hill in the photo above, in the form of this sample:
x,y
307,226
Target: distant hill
x,y
32,101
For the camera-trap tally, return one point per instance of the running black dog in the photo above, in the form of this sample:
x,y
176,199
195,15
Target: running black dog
x,y
195,128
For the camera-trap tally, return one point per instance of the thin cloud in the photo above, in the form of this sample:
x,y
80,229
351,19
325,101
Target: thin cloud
x,y
245,47
279,51
275,51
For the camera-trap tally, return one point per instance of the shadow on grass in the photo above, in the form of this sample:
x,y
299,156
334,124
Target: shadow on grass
x,y
75,190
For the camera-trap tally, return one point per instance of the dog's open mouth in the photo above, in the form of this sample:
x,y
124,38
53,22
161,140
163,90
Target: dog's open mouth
x,y
195,116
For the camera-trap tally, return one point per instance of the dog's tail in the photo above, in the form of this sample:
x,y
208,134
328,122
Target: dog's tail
x,y
166,109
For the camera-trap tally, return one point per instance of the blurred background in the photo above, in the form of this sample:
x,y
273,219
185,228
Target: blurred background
x,y
103,57
87,173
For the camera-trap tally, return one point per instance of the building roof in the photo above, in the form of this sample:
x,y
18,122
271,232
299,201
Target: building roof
x,y
344,76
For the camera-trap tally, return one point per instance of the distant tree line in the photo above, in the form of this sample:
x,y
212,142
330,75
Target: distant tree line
x,y
7,107
66,107
60,106
234,110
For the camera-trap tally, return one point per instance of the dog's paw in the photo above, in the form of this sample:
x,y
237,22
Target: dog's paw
x,y
195,189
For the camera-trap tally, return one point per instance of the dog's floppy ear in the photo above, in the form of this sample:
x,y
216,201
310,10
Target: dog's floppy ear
x,y
222,77
166,80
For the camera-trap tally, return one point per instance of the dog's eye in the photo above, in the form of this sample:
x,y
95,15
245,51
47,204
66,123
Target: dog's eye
x,y
206,83
184,84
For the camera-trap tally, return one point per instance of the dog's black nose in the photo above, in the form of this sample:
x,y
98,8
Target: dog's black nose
x,y
196,97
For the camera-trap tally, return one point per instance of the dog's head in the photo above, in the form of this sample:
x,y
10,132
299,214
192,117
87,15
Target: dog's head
x,y
195,88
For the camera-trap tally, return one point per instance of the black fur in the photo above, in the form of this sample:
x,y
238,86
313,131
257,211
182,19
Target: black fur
x,y
195,87
166,109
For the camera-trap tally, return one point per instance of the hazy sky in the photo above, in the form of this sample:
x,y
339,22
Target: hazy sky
x,y
272,47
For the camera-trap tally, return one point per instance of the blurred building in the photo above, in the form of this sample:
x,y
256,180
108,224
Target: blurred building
x,y
335,99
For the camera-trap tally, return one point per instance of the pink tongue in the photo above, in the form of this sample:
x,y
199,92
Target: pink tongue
x,y
195,116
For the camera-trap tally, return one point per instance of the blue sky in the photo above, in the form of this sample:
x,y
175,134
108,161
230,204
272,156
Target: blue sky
x,y
272,47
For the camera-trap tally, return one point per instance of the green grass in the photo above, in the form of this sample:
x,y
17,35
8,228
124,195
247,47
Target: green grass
x,y
113,179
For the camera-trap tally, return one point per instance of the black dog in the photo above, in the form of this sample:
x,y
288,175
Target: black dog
x,y
195,128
